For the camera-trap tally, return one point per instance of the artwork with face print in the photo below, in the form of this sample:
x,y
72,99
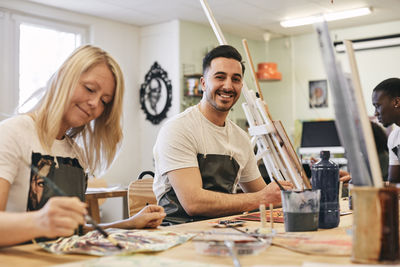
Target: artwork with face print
x,y
65,172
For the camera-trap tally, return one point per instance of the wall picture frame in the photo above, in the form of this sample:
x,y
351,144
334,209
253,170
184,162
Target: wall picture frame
x,y
318,93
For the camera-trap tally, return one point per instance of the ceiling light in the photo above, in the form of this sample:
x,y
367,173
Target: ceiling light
x,y
328,17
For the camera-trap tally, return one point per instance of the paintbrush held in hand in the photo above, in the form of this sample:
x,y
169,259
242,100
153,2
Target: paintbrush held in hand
x,y
276,181
88,219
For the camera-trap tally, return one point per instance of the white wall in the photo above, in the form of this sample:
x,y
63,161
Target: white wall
x,y
279,94
307,65
157,43
374,66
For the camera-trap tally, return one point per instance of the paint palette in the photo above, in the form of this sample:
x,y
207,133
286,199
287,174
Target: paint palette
x,y
214,243
228,223
218,248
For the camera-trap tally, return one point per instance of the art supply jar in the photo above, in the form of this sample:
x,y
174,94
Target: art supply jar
x,y
325,176
300,210
375,225
350,196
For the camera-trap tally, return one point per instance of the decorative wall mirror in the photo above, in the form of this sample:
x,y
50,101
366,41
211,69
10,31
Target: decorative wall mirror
x,y
156,94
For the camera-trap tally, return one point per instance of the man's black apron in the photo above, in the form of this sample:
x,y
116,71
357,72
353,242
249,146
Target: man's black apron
x,y
218,173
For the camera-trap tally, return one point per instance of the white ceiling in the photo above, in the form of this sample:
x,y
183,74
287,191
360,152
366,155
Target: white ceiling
x,y
246,18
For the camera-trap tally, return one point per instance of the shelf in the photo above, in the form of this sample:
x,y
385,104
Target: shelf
x,y
194,95
269,80
192,85
195,75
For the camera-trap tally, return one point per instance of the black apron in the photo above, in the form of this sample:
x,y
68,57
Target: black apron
x,y
68,176
396,150
218,173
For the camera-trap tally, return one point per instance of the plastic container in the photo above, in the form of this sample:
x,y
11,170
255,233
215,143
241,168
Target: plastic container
x,y
300,210
325,176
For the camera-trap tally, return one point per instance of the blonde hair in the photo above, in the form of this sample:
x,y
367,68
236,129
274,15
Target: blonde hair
x,y
99,138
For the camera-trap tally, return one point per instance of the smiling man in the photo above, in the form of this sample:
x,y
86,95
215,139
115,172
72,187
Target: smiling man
x,y
386,100
201,156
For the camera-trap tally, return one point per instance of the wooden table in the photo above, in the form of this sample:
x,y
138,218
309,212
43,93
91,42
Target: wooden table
x,y
32,255
92,200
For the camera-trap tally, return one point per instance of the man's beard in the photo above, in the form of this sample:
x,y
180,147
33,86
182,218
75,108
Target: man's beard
x,y
216,106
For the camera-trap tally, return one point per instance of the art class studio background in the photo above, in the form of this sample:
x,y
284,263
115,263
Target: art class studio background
x,y
171,37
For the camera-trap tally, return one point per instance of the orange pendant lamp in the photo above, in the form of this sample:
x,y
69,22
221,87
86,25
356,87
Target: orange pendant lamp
x,y
268,71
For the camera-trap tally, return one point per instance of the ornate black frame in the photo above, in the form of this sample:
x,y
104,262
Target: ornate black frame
x,y
155,72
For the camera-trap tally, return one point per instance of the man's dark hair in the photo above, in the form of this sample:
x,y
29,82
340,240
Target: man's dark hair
x,y
225,51
390,87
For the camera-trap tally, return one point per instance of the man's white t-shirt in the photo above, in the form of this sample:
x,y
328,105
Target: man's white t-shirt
x,y
394,146
188,134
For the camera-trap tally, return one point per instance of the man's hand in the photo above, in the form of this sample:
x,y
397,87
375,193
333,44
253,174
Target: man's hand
x,y
344,176
272,193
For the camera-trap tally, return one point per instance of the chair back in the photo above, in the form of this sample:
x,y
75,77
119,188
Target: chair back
x,y
140,193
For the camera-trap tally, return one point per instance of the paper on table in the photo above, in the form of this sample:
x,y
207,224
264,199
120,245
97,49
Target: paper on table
x,y
133,241
303,242
103,189
315,264
139,261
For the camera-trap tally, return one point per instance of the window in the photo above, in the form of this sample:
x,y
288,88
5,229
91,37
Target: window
x,y
36,48
43,46
41,52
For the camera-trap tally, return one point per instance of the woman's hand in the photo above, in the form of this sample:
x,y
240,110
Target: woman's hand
x,y
60,217
150,216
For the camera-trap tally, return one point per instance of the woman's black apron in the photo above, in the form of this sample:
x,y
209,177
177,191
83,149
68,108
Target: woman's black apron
x,y
65,173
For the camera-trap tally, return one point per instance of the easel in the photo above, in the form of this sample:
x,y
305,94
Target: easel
x,y
273,144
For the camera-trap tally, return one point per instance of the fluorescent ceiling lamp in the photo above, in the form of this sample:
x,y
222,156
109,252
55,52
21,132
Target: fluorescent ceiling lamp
x,y
328,17
370,43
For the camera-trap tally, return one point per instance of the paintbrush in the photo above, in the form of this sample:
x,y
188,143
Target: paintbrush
x,y
246,233
271,216
87,217
276,181
262,216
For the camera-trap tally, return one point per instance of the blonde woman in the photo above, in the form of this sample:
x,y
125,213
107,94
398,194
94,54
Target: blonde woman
x,y
74,129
